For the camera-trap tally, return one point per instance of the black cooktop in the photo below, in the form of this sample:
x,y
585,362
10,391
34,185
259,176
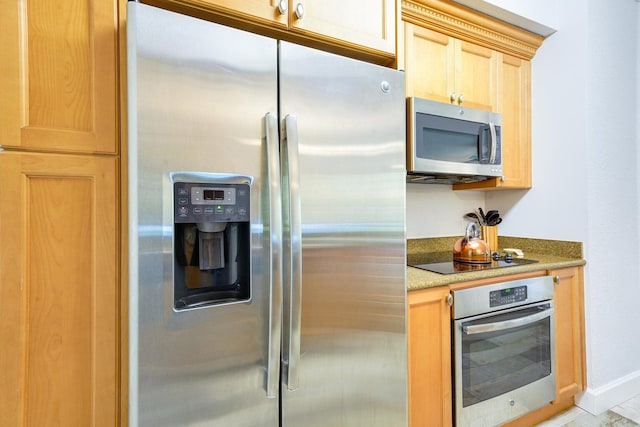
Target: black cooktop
x,y
451,267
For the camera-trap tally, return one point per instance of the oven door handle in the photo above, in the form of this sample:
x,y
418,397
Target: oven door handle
x,y
508,324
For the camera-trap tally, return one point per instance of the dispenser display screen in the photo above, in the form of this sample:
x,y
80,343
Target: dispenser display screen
x,y
213,194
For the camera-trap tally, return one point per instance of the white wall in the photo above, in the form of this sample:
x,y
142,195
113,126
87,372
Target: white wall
x,y
613,292
542,11
434,210
556,206
586,126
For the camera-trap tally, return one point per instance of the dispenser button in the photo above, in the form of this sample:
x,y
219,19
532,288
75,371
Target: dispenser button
x,y
242,211
229,211
208,211
197,211
219,209
183,201
183,211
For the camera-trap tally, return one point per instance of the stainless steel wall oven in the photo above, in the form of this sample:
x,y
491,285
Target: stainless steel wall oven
x,y
503,354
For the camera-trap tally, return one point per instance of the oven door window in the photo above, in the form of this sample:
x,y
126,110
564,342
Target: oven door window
x,y
505,358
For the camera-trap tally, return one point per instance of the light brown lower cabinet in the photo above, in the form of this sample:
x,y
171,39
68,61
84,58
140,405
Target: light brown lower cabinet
x,y
59,297
429,326
430,392
569,306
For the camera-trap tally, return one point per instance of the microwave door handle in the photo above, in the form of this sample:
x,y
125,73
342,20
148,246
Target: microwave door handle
x,y
494,142
508,324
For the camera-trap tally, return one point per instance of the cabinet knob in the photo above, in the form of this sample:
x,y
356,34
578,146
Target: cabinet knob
x,y
299,11
449,300
283,7
460,99
556,279
453,98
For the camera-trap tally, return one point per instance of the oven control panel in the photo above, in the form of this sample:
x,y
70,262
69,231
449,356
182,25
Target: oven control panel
x,y
507,296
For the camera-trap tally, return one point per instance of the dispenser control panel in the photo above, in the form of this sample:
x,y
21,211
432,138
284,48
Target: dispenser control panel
x,y
198,202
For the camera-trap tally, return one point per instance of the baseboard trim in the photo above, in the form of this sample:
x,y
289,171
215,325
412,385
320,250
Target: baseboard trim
x,y
600,399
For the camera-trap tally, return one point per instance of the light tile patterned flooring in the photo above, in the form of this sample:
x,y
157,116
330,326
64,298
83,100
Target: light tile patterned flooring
x,y
626,414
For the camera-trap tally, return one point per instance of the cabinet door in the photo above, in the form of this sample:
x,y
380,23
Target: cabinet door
x,y
369,24
429,64
515,106
444,69
569,310
429,339
476,78
59,290
58,66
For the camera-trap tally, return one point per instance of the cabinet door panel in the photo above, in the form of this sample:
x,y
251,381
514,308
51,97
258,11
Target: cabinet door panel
x,y
429,358
516,130
569,308
59,294
370,24
58,64
429,58
476,75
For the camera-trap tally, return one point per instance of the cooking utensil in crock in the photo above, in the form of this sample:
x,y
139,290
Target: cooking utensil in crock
x,y
470,248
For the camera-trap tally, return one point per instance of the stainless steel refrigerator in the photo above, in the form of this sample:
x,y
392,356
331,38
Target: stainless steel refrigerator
x,y
267,231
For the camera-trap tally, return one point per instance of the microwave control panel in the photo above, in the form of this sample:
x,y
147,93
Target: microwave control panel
x,y
507,296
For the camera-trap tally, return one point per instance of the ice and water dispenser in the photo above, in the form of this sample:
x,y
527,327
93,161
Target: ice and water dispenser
x,y
212,234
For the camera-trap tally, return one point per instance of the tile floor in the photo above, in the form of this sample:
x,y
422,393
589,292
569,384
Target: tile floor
x,y
626,414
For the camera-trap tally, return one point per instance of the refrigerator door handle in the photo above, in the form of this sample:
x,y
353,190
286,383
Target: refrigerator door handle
x,y
292,258
275,261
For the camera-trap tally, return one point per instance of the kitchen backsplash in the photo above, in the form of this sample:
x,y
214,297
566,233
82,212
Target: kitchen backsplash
x,y
435,210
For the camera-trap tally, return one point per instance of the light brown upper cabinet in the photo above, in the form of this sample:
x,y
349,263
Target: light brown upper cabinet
x,y
455,55
59,84
365,23
366,26
445,69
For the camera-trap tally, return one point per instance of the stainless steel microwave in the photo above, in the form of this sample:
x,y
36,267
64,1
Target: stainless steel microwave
x,y
449,143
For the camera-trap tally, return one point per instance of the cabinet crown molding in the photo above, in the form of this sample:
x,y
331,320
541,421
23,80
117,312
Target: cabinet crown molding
x,y
455,20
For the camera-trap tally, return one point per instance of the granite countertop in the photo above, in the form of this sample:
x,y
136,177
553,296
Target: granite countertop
x,y
550,254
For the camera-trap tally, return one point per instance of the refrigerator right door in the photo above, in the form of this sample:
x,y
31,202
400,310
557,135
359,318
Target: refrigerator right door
x,y
343,148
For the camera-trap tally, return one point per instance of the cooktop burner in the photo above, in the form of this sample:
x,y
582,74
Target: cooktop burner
x,y
451,267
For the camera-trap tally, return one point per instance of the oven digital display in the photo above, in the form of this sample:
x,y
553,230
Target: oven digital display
x,y
507,296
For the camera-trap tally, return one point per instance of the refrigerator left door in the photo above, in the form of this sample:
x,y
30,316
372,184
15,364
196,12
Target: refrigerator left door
x,y
202,307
